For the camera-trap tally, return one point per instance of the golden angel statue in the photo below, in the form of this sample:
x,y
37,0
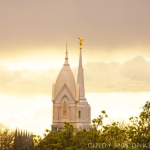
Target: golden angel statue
x,y
80,41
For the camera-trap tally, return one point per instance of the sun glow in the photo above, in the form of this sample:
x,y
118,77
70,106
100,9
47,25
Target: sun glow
x,y
34,113
39,62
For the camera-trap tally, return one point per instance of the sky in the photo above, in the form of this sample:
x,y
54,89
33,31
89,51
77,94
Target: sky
x,y
33,37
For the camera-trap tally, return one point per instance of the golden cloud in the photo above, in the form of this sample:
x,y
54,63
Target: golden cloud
x,y
131,76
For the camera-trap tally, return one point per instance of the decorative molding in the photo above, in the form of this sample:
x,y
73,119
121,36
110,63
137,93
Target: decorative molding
x,y
61,91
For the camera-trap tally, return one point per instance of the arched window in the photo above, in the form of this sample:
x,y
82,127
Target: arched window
x,y
65,109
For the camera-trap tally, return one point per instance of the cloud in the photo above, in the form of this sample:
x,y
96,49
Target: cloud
x,y
28,27
25,81
131,76
136,69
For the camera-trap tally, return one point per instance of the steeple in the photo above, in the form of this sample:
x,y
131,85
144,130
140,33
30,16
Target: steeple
x,y
66,58
65,77
80,79
69,102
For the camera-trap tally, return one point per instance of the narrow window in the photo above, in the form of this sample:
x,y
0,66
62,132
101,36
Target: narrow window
x,y
65,109
79,114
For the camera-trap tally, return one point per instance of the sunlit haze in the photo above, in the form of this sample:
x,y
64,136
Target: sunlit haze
x,y
116,57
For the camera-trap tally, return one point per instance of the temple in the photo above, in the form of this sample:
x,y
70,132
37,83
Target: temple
x,y
68,97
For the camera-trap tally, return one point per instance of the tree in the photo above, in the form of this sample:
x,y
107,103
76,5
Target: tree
x,y
139,129
56,140
6,138
23,141
115,136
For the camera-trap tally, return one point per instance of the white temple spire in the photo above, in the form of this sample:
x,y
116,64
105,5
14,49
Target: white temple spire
x,y
80,79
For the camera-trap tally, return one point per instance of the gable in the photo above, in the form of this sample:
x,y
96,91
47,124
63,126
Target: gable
x,y
64,92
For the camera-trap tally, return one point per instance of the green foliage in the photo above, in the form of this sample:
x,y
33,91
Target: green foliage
x,y
57,140
98,122
115,136
6,138
23,140
139,130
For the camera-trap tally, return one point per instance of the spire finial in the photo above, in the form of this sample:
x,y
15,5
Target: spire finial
x,y
66,58
80,41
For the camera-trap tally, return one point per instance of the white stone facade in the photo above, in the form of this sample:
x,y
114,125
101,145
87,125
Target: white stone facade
x,y
69,104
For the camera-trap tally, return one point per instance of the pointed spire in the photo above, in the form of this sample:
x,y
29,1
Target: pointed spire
x,y
66,58
80,79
